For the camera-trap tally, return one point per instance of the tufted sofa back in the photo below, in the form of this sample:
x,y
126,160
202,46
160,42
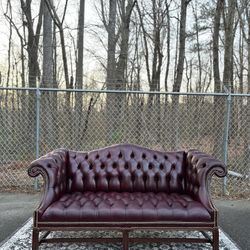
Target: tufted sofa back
x,y
126,168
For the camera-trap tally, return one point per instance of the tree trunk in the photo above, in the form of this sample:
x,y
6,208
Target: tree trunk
x,y
168,51
179,74
197,36
247,117
218,112
182,46
111,65
59,25
121,68
229,41
79,71
32,48
47,80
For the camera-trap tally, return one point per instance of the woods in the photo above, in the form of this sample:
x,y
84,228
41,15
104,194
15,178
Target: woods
x,y
187,61
123,45
132,45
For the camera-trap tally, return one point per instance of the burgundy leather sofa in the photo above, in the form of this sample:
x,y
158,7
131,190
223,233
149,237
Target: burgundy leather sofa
x,y
126,187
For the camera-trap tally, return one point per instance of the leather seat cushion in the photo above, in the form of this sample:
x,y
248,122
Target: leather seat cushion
x,y
115,207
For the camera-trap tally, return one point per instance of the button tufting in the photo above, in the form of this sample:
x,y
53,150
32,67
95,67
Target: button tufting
x,y
124,163
87,206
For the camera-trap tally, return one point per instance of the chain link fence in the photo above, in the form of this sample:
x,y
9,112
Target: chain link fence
x,y
36,121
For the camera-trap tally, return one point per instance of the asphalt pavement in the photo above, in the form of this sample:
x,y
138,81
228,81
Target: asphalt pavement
x,y
234,216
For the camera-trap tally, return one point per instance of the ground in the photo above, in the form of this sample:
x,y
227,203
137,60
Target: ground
x,y
234,216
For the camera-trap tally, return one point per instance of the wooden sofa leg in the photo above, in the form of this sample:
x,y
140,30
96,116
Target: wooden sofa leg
x,y
125,240
215,239
35,239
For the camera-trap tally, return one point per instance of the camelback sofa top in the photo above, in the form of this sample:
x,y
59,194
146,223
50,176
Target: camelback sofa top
x,y
126,187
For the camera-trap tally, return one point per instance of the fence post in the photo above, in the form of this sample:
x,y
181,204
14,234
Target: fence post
x,y
226,138
38,96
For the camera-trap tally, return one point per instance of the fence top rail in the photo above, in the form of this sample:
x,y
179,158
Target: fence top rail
x,y
123,92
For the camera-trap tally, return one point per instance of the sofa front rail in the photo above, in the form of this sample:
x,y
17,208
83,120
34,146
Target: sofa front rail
x,y
125,240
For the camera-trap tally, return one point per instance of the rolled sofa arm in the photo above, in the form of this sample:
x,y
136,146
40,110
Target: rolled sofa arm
x,y
200,169
52,167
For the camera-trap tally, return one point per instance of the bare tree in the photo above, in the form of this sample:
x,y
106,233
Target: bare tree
x,y
168,48
59,24
217,82
154,33
182,45
197,46
229,18
216,34
9,8
33,66
33,40
179,73
47,77
125,10
79,65
244,15
80,46
110,27
116,72
121,68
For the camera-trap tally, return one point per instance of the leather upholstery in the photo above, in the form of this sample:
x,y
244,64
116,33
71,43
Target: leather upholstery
x,y
152,185
136,206
199,169
126,168
52,167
